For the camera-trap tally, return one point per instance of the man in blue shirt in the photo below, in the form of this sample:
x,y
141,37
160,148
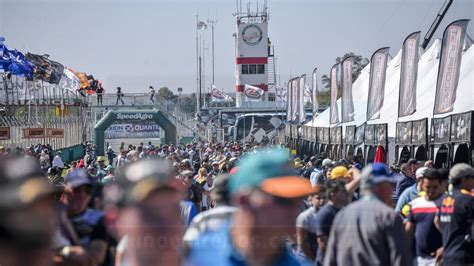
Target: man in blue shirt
x,y
264,190
405,182
412,192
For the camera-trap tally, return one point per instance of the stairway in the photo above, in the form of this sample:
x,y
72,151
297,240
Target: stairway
x,y
271,70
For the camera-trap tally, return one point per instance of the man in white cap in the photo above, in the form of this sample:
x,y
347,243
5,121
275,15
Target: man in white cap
x,y
368,231
411,192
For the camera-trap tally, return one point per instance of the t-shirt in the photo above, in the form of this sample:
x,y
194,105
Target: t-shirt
x,y
408,195
367,232
216,248
307,221
422,215
315,177
188,211
456,216
89,225
324,222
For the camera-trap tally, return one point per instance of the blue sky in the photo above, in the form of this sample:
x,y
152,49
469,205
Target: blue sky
x,y
136,43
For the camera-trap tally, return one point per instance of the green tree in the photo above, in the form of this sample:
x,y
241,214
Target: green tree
x,y
167,94
359,64
187,103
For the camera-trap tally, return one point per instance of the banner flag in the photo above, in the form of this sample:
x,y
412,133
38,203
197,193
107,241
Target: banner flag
x,y
378,71
253,94
69,81
334,116
289,102
219,96
57,71
294,91
308,94
201,25
280,93
347,105
408,75
42,67
314,82
449,66
19,64
301,102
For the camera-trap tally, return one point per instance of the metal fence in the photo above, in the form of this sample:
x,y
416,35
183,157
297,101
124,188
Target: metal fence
x,y
33,104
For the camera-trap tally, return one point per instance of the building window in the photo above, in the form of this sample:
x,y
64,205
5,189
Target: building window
x,y
252,69
245,69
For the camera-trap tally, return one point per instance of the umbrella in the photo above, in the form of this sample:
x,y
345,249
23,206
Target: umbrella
x,y
380,155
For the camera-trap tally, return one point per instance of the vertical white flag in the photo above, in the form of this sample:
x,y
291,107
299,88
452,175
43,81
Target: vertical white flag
x,y
314,82
334,116
347,106
301,102
253,94
378,71
408,75
449,66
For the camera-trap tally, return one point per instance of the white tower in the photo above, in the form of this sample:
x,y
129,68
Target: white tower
x,y
252,49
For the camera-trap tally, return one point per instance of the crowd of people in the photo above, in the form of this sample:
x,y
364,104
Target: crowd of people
x,y
230,204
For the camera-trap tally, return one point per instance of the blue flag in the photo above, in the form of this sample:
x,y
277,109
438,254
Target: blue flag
x,y
19,66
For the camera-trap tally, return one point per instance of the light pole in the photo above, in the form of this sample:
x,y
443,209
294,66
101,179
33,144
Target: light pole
x,y
212,22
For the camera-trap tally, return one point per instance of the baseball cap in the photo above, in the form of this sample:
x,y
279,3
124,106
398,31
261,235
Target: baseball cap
x,y
420,172
140,179
327,162
461,170
377,173
78,177
22,183
412,161
269,170
338,172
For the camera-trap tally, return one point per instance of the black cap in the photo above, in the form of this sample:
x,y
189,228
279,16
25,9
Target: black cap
x,y
22,183
138,180
412,161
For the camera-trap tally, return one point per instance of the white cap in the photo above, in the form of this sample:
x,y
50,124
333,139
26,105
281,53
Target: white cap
x,y
420,172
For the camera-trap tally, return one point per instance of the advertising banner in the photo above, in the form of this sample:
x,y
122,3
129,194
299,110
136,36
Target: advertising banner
x,y
441,129
133,129
378,69
449,66
350,134
461,127
314,82
347,106
403,132
301,102
419,131
333,111
408,75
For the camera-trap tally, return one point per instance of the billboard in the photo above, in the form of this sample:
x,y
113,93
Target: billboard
x,y
359,134
133,129
350,134
461,127
403,132
441,129
252,40
419,132
336,135
370,134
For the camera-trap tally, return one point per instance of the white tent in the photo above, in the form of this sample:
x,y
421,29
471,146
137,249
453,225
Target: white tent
x,y
425,95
